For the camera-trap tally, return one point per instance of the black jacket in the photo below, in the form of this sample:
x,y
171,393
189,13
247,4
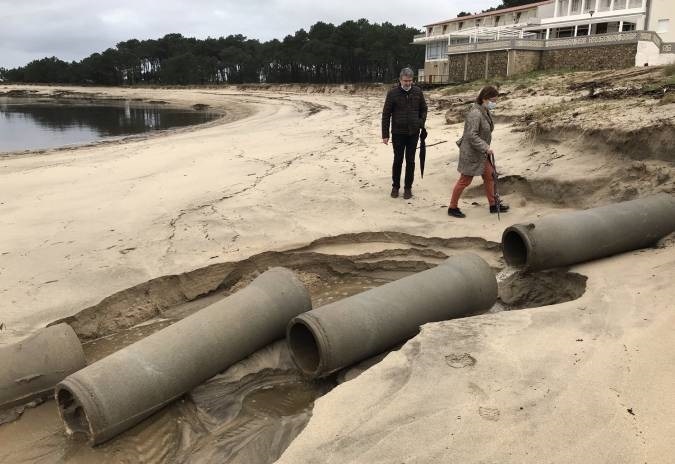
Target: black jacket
x,y
407,111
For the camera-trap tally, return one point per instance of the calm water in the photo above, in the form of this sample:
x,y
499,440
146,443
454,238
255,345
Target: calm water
x,y
33,124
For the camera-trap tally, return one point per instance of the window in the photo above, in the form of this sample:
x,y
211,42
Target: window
x,y
576,6
562,9
497,20
445,28
517,20
662,25
627,27
582,30
601,28
604,5
436,50
459,27
565,32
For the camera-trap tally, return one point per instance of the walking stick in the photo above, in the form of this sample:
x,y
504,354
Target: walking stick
x,y
495,180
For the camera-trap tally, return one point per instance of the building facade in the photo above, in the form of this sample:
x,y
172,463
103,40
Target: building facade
x,y
552,34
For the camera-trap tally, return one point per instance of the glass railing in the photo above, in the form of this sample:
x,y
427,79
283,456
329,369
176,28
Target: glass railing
x,y
635,4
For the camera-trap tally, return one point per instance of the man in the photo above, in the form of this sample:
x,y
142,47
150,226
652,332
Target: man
x,y
406,110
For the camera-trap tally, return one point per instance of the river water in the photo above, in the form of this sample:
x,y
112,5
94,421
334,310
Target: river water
x,y
41,123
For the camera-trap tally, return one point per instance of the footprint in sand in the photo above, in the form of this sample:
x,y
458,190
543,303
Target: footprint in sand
x,y
491,414
460,360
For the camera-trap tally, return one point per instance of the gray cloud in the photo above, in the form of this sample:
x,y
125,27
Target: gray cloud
x,y
73,29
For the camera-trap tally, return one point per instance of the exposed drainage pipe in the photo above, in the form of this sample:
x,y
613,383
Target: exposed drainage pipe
x,y
30,368
574,237
347,331
119,391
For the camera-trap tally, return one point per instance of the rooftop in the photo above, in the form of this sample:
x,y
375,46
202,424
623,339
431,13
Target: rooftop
x,y
492,13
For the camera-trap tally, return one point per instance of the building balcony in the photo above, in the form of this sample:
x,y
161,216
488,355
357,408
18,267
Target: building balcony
x,y
565,10
569,42
422,39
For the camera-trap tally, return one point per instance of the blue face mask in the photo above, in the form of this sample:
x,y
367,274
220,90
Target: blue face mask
x,y
491,105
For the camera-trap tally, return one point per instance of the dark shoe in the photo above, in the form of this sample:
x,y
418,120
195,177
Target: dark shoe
x,y
394,192
456,212
407,194
502,208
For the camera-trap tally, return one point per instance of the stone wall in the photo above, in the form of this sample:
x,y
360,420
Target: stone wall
x,y
497,63
523,61
590,58
500,63
456,70
476,67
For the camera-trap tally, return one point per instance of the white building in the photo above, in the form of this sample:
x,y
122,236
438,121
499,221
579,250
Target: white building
x,y
543,26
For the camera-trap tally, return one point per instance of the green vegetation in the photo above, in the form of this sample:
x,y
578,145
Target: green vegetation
x,y
669,70
354,51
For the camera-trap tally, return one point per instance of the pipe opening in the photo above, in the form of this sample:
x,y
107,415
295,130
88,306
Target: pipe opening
x,y
72,413
514,248
304,348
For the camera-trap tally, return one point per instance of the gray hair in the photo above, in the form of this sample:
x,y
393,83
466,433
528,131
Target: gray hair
x,y
407,72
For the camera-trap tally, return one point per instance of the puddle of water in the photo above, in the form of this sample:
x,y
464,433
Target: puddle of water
x,y
34,124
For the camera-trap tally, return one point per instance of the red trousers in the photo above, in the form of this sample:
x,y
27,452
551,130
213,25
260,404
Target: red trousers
x,y
464,182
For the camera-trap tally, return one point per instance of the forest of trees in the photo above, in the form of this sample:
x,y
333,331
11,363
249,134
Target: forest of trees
x,y
354,51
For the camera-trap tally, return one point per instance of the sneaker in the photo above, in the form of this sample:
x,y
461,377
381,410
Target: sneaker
x,y
502,208
394,192
456,212
407,194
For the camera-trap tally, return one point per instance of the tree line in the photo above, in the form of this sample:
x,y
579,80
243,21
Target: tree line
x,y
354,51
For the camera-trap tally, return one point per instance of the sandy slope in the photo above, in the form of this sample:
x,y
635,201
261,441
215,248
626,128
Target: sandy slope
x,y
585,381
81,224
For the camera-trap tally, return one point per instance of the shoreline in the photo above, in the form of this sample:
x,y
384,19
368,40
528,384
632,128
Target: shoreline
x,y
228,115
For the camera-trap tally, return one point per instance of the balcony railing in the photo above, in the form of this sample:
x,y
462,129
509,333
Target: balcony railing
x,y
568,42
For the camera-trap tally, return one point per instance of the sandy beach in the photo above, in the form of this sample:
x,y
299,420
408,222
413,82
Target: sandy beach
x,y
110,235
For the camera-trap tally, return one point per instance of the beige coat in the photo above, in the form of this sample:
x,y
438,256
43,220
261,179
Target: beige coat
x,y
475,141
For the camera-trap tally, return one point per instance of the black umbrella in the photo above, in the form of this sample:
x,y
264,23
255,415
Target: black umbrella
x,y
423,150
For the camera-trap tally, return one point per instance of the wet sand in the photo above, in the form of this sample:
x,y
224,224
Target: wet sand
x,y
252,411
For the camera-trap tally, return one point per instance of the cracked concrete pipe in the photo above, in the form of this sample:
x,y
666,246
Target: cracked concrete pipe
x,y
30,368
119,391
574,237
342,333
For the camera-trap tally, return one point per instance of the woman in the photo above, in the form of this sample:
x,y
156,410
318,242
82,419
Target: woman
x,y
474,151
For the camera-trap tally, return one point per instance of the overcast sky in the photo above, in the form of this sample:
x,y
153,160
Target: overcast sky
x,y
74,29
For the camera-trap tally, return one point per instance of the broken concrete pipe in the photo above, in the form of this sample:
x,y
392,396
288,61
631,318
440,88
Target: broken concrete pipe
x,y
30,368
578,236
119,391
342,333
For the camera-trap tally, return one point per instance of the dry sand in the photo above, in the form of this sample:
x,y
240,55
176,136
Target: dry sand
x,y
588,380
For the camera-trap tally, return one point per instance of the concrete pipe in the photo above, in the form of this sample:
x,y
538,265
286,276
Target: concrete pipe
x,y
574,237
119,391
342,333
30,368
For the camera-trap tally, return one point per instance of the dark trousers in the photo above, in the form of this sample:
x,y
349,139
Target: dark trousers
x,y
404,147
